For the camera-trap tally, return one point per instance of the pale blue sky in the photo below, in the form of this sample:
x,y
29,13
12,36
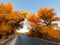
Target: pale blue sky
x,y
34,5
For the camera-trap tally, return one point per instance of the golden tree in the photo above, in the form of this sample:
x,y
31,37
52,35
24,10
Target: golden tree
x,y
10,20
51,31
42,24
34,23
47,15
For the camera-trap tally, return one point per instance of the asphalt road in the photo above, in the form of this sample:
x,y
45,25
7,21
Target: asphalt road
x,y
25,40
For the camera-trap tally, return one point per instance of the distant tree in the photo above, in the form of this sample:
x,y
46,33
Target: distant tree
x,y
41,25
47,15
35,26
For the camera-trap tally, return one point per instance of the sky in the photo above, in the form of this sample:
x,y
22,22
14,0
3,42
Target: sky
x,y
33,5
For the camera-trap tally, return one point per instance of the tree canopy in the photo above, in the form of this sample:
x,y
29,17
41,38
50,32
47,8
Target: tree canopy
x,y
40,24
10,19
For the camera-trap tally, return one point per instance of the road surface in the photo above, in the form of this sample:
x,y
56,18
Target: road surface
x,y
25,40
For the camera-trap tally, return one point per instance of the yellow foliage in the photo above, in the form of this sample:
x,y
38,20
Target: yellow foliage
x,y
51,32
5,28
5,8
10,8
46,13
24,12
13,16
9,19
33,18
